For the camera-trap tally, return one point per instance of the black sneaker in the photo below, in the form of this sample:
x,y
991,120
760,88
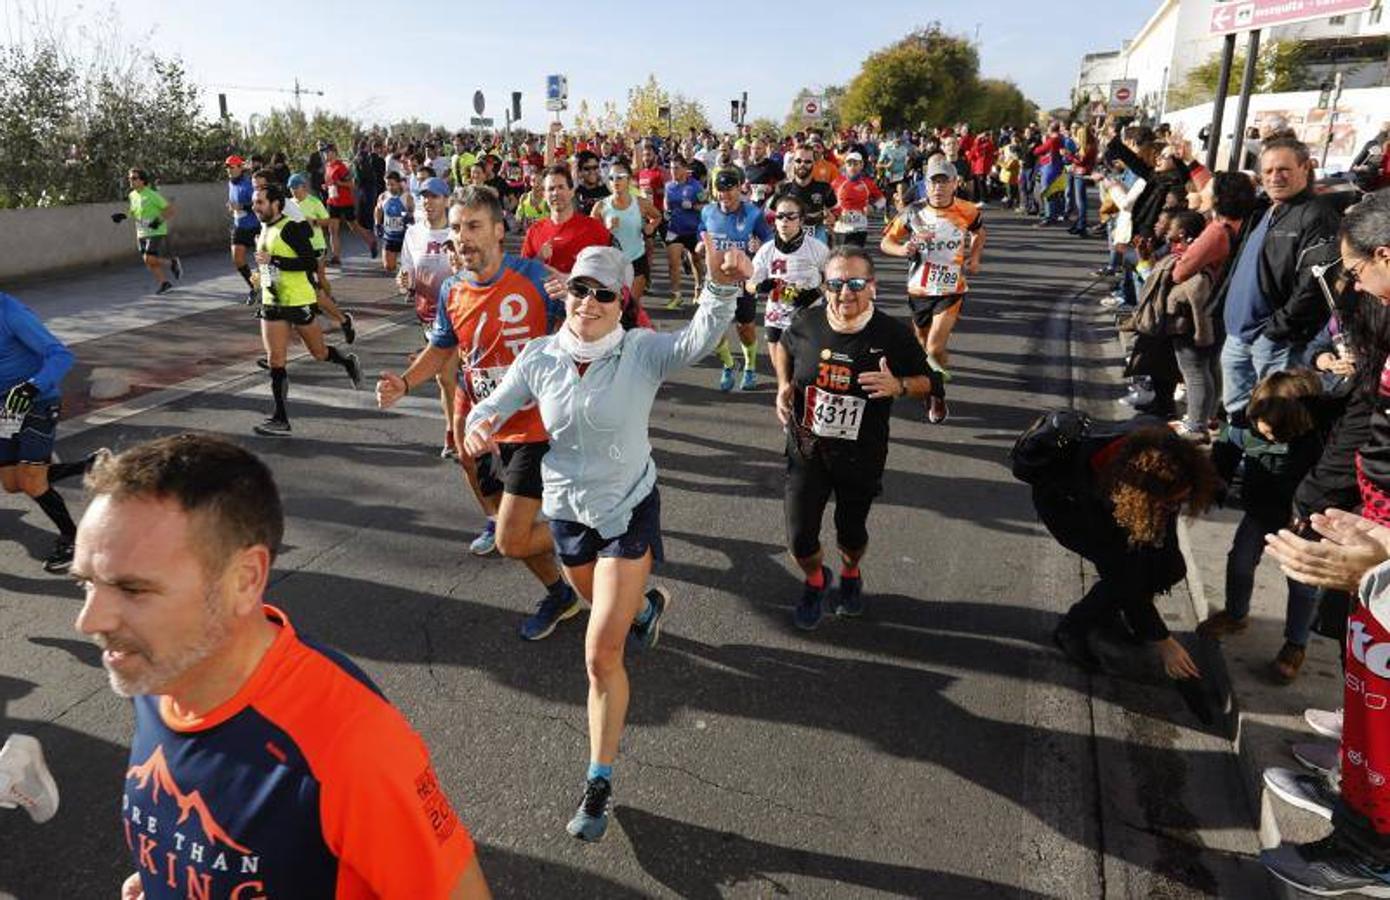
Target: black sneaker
x,y
590,821
273,427
354,369
349,332
810,609
263,363
60,560
850,599
647,635
1327,868
176,266
164,288
373,249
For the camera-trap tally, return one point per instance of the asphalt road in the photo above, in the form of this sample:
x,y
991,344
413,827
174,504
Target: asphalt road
x,y
938,748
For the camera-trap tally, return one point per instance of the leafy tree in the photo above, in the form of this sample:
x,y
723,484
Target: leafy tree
x,y
1281,66
997,103
644,104
927,77
764,126
38,129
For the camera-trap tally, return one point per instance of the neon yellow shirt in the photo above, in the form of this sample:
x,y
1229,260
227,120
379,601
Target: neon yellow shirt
x,y
146,205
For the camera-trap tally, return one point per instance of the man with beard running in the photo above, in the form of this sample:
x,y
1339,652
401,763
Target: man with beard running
x,y
818,200
491,311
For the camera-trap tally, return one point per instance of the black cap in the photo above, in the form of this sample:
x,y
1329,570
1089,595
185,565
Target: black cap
x,y
731,177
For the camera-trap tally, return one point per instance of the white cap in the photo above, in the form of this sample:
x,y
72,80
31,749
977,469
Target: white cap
x,y
606,265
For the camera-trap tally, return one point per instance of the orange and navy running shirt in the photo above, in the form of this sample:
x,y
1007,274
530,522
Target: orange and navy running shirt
x,y
307,783
944,236
491,323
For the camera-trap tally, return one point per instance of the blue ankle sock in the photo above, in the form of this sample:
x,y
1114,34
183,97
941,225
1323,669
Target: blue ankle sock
x,y
646,614
599,770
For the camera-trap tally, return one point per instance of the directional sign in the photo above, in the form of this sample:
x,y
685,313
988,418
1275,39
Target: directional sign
x,y
478,104
480,121
1245,15
813,108
1123,91
557,91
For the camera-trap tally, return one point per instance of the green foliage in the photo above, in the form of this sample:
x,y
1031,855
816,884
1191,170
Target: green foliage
x,y
644,104
928,77
296,133
1280,67
763,126
997,103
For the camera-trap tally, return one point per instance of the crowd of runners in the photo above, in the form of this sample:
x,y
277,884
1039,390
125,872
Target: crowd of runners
x,y
546,364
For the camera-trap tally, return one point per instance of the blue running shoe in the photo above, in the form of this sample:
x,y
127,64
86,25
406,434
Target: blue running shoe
x,y
553,609
485,544
850,601
1327,868
726,380
590,822
811,608
647,635
750,380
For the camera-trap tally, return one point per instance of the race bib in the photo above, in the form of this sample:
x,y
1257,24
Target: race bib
x,y
940,280
834,415
482,382
758,192
852,220
394,224
270,276
10,425
779,315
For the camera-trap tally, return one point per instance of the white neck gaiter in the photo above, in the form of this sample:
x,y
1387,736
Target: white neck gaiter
x,y
584,352
849,326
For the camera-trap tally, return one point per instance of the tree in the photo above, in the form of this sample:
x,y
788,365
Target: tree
x,y
764,126
1280,67
997,103
644,104
927,77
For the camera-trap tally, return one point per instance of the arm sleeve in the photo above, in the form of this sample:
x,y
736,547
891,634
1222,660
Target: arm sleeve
x,y
661,353
29,331
299,235
511,395
1118,150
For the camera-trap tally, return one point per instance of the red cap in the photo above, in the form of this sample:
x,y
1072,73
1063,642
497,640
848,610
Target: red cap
x,y
235,160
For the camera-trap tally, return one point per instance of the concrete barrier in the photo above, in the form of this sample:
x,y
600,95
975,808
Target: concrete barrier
x,y
64,238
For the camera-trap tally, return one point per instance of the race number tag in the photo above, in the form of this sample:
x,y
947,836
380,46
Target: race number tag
x,y
394,224
758,192
482,382
10,425
833,415
778,315
939,279
852,220
270,276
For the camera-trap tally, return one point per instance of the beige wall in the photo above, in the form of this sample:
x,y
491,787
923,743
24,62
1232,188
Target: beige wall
x,y
64,238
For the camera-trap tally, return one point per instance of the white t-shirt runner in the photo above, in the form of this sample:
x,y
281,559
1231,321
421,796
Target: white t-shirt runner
x,y
791,274
424,256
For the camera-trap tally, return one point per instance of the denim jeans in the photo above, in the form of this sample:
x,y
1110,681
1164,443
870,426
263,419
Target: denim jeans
x,y
1076,189
1247,547
1243,365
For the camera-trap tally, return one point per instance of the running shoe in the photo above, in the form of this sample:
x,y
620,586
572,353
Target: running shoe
x,y
448,451
810,609
675,302
273,427
647,635
590,821
1302,789
30,784
1113,301
1105,272
726,379
1327,868
263,363
849,601
937,410
1322,757
553,609
349,332
750,380
372,249
164,288
60,557
176,266
1325,722
354,370
485,544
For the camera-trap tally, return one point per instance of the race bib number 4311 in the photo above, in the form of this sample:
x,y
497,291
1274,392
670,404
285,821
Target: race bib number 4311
x,y
834,415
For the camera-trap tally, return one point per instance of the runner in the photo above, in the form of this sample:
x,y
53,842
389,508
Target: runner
x,y
316,214
287,277
846,361
893,158
557,240
32,365
855,192
590,188
594,384
531,206
245,225
342,205
632,221
423,268
787,270
151,213
685,197
733,223
263,764
394,210
818,200
942,237
487,316
762,173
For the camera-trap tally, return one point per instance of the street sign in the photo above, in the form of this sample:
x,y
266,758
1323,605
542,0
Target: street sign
x,y
557,91
1123,92
813,108
1246,15
478,102
480,121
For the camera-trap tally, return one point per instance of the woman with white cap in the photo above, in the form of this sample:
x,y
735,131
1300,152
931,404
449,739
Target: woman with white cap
x,y
594,384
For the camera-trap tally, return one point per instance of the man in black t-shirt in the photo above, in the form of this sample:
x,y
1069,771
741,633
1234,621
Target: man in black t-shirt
x,y
761,173
588,185
844,363
817,198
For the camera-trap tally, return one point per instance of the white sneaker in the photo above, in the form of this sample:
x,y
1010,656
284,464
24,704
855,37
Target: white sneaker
x,y
26,780
1302,789
1322,757
1112,301
1324,722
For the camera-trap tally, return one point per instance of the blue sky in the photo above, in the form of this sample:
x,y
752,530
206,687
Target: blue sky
x,y
386,61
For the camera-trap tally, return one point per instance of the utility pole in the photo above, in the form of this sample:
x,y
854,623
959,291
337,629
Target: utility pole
x,y
1332,117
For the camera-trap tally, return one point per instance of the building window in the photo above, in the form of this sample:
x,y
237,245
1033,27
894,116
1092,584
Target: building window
x,y
1337,20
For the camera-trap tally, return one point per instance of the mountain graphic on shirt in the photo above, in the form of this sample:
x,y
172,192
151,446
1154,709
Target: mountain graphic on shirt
x,y
156,770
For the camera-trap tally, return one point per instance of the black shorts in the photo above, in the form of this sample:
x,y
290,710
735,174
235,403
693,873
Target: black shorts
x,y
152,246
855,477
298,316
393,246
746,309
346,213
642,267
688,241
578,545
521,470
33,443
245,237
924,309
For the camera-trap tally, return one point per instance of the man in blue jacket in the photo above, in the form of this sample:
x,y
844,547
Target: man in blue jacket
x,y
32,364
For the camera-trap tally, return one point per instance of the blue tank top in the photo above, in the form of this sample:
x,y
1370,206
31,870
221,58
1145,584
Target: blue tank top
x,y
393,213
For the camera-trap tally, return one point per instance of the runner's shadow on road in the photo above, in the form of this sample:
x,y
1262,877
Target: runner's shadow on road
x,y
703,864
512,874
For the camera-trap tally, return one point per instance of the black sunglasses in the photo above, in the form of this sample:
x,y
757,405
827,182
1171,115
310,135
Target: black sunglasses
x,y
835,285
788,216
579,290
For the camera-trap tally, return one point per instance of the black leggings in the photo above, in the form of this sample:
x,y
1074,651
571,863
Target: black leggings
x,y
811,479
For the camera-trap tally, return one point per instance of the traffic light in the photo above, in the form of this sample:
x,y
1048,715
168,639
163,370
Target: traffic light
x,y
516,106
734,112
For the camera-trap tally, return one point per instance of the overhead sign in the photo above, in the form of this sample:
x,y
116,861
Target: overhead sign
x,y
478,104
557,92
813,108
1246,15
480,121
1123,92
